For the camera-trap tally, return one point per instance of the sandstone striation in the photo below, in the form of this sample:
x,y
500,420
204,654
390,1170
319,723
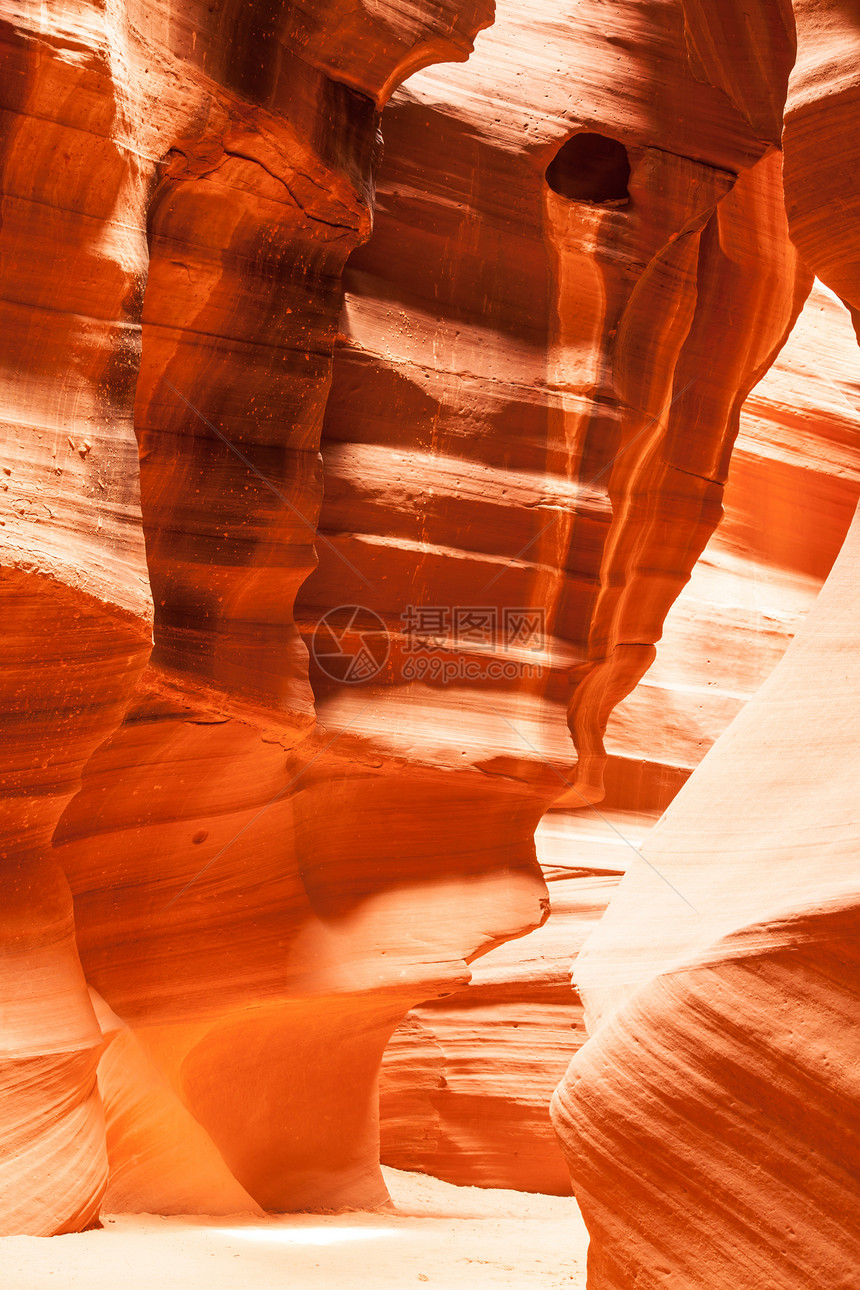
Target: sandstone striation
x,y
467,358
708,1121
467,1080
718,1083
341,497
190,186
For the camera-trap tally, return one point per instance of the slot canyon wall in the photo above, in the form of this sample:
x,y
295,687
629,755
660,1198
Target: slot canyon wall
x,y
710,1121
189,185
467,1080
234,867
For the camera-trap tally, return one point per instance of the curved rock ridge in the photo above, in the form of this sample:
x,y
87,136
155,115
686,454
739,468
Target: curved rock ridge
x,y
545,405
710,1120
467,1080
75,595
180,192
581,266
160,1159
719,1084
764,1107
822,193
534,401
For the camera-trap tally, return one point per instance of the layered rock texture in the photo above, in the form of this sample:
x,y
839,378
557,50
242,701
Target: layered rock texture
x,y
467,1080
333,541
710,1120
181,189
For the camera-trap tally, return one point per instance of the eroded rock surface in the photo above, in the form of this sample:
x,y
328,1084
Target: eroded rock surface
x,y
720,1081
710,1120
467,1080
581,266
180,192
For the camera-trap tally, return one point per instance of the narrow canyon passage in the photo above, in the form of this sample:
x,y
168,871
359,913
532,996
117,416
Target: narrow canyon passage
x,y
428,430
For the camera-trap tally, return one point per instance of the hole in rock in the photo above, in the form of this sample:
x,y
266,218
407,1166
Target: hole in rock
x,y
591,168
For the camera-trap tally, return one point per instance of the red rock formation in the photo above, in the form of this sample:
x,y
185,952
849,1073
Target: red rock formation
x,y
160,1159
543,356
820,141
221,817
226,153
562,351
504,1042
709,1121
791,69
75,599
466,1081
719,1083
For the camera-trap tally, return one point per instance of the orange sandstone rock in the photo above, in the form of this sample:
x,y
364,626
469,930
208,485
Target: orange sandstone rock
x,y
580,268
217,160
715,1093
467,1080
709,1121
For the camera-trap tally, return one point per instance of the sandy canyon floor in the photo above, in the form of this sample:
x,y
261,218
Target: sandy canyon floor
x,y
436,1235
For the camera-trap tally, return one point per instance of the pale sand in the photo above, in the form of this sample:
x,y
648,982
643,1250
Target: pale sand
x,y
450,1238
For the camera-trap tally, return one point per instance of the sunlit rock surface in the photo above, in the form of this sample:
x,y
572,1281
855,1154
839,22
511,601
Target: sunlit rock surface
x,y
181,189
280,724
710,1120
719,1085
467,1081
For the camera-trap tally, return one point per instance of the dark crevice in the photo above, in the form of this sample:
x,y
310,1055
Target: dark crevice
x,y
591,168
706,479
